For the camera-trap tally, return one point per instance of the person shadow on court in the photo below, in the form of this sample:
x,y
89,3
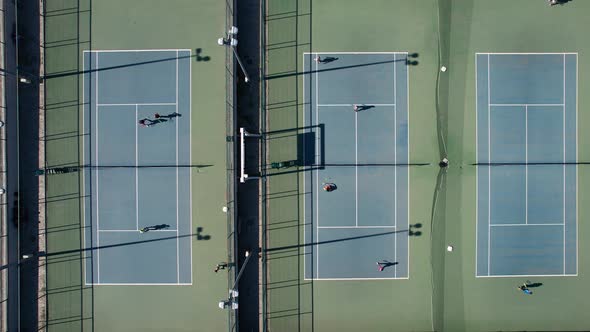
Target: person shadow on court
x,y
558,2
159,120
360,108
530,284
154,228
329,59
325,60
200,236
167,116
382,265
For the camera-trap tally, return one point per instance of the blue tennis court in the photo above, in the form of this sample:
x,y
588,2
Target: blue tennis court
x,y
526,176
356,129
132,174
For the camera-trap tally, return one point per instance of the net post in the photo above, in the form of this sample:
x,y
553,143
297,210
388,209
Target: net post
x,y
243,135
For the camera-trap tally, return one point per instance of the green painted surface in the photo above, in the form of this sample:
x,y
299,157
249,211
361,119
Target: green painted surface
x,y
74,26
486,304
442,293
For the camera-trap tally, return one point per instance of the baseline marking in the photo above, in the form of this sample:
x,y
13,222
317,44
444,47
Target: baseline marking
x,y
356,169
135,104
408,158
523,105
476,167
368,104
136,170
525,53
527,275
359,227
190,158
354,279
135,230
395,162
176,142
489,170
97,191
142,284
317,251
524,225
143,50
564,164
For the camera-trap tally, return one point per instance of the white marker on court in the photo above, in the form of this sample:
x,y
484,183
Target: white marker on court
x,y
443,69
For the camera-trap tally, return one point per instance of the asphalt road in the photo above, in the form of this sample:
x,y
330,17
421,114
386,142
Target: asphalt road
x,y
248,22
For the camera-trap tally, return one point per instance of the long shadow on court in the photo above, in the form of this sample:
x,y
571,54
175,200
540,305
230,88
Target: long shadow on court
x,y
198,57
407,60
410,232
306,159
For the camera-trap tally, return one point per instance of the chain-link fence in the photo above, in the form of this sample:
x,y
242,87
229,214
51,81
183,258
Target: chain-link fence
x,y
230,116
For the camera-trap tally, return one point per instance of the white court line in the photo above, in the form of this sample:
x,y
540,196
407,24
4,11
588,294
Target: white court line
x,y
177,225
85,254
527,275
526,155
305,103
317,105
359,227
190,158
524,105
135,104
356,169
525,225
97,163
564,110
136,169
526,167
350,105
139,284
576,182
136,146
489,170
143,50
525,53
134,230
408,158
476,167
317,251
354,279
395,168
404,52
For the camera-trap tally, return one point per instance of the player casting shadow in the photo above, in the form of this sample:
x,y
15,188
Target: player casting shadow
x,y
150,122
327,59
530,284
200,235
412,232
167,116
360,108
198,56
411,62
558,2
382,265
154,228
